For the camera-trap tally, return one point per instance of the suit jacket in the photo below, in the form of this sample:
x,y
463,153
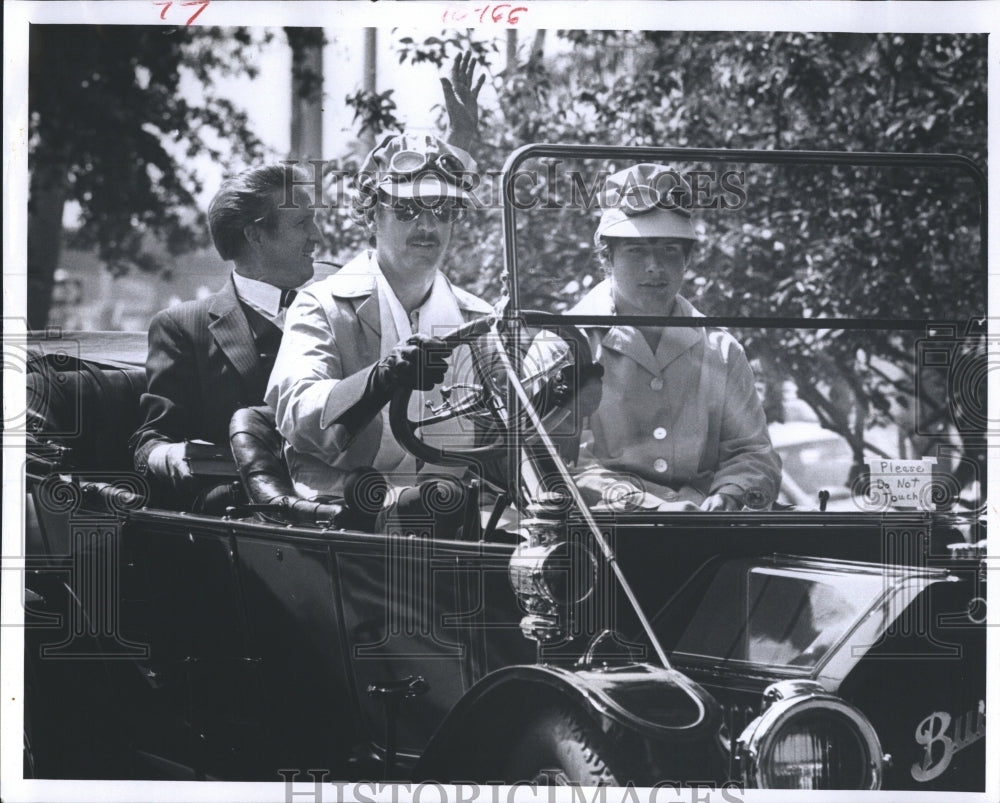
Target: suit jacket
x,y
204,363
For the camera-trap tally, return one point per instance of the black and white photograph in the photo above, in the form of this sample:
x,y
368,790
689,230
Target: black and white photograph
x,y
498,402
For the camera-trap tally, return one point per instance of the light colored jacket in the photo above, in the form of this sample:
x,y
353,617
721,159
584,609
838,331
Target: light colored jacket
x,y
332,341
686,420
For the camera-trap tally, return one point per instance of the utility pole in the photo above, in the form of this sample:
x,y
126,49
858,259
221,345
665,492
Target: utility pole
x,y
369,79
306,140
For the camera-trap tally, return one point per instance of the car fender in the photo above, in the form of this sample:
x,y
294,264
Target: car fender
x,y
649,701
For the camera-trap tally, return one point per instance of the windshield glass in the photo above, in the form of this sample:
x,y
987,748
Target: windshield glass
x,y
770,240
771,336
773,615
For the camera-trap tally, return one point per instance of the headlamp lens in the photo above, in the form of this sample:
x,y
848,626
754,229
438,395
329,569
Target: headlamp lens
x,y
559,575
818,750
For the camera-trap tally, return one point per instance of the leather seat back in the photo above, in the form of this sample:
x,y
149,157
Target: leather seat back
x,y
91,410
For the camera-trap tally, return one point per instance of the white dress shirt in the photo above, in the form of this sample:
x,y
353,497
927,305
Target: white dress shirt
x,y
263,297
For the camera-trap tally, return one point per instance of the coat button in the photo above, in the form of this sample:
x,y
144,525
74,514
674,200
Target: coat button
x,y
660,465
660,433
656,383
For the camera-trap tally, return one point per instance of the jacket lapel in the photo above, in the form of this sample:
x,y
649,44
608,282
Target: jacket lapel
x,y
628,341
675,341
369,314
228,325
356,282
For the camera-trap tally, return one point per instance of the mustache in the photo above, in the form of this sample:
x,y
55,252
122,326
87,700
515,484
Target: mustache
x,y
423,239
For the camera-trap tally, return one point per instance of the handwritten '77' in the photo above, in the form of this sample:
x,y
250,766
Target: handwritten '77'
x,y
202,4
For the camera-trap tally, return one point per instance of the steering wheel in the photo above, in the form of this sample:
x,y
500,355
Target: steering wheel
x,y
483,401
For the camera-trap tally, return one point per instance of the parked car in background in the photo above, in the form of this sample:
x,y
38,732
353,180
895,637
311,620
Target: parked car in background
x,y
813,459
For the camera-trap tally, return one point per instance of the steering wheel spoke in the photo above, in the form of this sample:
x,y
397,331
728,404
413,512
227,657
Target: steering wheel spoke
x,y
467,406
483,398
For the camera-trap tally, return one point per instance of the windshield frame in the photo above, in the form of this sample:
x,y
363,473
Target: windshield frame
x,y
749,156
510,307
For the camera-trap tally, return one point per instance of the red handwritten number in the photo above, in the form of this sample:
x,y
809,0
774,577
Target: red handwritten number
x,y
498,12
202,3
488,13
166,7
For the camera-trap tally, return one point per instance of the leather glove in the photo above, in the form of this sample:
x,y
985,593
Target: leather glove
x,y
590,389
419,363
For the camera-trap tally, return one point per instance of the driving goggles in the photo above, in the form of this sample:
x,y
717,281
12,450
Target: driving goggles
x,y
405,165
445,210
640,198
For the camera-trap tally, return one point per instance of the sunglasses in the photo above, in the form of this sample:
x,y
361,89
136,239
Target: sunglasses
x,y
447,211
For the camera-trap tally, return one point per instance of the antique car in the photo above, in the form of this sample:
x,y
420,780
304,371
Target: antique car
x,y
548,640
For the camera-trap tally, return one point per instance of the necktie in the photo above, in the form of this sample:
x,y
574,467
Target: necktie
x,y
287,297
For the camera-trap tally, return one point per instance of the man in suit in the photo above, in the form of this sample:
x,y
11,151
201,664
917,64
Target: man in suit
x,y
207,358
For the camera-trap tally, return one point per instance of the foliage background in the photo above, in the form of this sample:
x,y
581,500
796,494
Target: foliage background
x,y
828,242
110,130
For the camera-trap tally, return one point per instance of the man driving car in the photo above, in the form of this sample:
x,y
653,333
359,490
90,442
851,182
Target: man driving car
x,y
353,338
209,357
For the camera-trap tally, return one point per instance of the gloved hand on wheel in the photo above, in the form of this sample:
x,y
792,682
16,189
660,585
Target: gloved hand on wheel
x,y
419,363
588,388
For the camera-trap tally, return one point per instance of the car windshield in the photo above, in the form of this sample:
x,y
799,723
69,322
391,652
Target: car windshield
x,y
777,615
838,359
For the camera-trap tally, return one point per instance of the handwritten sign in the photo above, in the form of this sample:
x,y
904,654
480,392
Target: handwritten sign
x,y
902,483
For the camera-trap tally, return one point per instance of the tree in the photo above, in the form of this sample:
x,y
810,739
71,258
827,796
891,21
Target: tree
x,y
829,242
111,130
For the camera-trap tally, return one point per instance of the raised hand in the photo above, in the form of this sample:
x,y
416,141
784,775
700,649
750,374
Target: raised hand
x,y
461,99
